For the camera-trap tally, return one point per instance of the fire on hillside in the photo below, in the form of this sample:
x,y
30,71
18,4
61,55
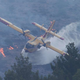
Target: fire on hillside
x,y
2,52
9,48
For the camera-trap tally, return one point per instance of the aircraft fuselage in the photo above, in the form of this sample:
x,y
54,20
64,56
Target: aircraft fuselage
x,y
31,46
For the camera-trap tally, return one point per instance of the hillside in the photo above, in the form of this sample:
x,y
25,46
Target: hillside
x,y
22,13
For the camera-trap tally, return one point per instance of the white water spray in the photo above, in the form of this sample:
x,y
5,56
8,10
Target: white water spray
x,y
43,56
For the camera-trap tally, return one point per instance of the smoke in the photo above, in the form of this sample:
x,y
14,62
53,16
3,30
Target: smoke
x,y
42,11
44,56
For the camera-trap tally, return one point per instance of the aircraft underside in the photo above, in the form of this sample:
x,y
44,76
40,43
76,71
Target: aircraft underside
x,y
31,48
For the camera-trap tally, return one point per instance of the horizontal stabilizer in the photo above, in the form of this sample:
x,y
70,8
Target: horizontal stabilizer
x,y
54,34
40,26
48,31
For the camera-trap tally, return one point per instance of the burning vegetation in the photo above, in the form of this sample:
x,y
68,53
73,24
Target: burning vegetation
x,y
9,48
2,52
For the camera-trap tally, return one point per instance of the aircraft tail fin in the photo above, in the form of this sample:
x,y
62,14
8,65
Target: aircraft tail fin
x,y
49,29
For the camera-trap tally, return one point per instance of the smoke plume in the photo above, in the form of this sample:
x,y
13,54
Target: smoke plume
x,y
44,56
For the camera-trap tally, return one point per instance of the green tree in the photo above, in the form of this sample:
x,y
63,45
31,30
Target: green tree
x,y
0,78
77,75
66,66
21,70
36,76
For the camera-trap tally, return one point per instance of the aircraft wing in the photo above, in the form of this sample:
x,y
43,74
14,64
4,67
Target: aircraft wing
x,y
48,30
55,49
17,28
26,33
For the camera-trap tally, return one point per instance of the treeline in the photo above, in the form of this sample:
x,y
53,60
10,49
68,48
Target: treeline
x,y
64,68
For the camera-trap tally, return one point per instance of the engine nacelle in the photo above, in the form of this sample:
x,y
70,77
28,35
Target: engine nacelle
x,y
27,31
47,43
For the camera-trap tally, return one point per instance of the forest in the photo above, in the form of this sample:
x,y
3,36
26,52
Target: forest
x,y
63,67
22,13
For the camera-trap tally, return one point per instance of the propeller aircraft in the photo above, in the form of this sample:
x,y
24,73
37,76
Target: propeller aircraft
x,y
36,42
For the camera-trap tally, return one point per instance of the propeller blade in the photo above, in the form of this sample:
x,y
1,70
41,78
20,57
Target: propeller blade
x,y
22,33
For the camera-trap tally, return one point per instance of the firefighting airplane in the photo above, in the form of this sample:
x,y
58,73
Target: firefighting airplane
x,y
36,42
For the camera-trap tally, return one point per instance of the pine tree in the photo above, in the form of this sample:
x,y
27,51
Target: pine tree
x,y
21,70
66,66
0,78
77,75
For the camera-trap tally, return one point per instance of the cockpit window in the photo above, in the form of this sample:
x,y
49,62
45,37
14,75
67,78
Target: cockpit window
x,y
29,45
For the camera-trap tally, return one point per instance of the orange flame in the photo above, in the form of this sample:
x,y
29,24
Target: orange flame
x,y
10,48
1,51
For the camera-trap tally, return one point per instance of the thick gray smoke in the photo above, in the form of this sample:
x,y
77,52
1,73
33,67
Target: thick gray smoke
x,y
22,13
44,56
